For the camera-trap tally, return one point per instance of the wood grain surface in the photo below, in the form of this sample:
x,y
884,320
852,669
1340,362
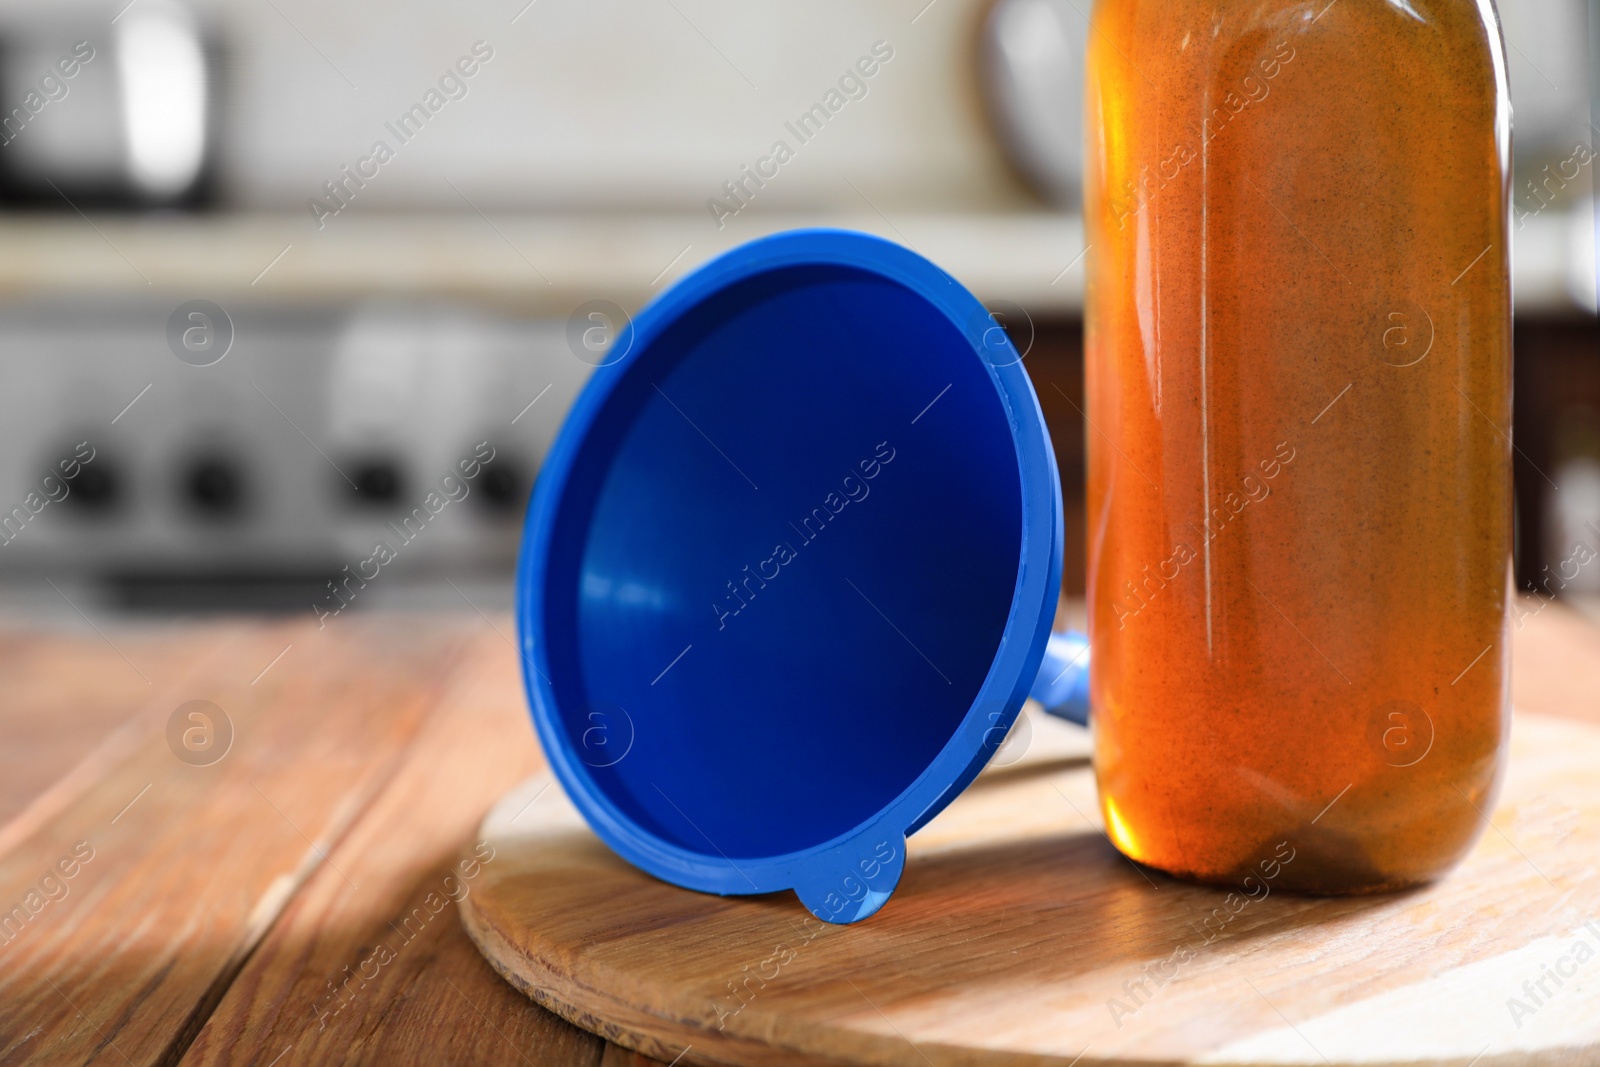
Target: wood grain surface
x,y
1019,935
213,906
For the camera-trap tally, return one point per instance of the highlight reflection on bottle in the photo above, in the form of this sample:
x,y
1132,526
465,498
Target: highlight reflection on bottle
x,y
1299,370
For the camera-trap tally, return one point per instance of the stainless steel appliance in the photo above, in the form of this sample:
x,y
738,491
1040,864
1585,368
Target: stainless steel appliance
x,y
258,452
108,110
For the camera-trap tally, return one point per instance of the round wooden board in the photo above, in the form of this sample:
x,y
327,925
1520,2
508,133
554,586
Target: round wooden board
x,y
1019,935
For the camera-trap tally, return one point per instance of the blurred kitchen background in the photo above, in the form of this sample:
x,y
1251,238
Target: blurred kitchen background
x,y
275,340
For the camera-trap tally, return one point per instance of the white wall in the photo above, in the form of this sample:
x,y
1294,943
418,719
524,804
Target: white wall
x,y
649,104
610,102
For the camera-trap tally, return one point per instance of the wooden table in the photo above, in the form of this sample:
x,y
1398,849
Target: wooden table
x,y
228,895
222,904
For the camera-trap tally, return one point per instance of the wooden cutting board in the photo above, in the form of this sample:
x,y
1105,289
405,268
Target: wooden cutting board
x,y
1019,935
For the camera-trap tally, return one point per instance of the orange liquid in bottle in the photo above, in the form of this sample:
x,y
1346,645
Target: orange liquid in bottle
x,y
1299,360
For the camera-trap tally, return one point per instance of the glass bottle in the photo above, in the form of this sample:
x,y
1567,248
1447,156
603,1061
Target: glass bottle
x,y
1298,324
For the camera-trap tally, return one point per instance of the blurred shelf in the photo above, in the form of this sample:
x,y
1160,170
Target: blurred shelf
x,y
541,264
548,264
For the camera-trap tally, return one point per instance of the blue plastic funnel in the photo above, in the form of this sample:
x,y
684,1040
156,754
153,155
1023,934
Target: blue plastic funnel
x,y
790,570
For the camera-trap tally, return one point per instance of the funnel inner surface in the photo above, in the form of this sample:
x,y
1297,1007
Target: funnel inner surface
x,y
786,562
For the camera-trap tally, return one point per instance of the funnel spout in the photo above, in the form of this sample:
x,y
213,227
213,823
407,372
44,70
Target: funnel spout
x,y
1063,682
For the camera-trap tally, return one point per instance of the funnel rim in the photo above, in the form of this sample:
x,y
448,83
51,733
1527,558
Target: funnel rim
x,y
1022,642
